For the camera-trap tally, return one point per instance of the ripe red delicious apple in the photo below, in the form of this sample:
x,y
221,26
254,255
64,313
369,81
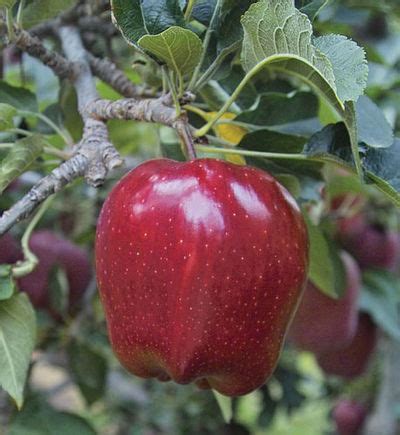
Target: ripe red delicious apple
x,y
352,361
10,252
349,417
200,267
54,251
371,245
322,323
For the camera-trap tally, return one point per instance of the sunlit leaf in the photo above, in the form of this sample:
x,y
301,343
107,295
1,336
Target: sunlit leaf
x,y
17,340
136,18
179,48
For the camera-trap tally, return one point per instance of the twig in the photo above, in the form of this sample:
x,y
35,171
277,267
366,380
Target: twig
x,y
34,46
157,110
94,155
107,71
76,15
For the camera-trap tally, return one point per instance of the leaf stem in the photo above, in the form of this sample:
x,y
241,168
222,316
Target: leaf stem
x,y
30,260
20,131
63,134
206,43
174,93
19,13
189,9
249,153
210,124
250,74
48,150
10,24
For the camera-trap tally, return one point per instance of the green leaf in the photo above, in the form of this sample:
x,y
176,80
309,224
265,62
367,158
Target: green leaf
x,y
169,145
226,35
38,418
373,128
17,340
179,48
42,10
291,183
7,285
278,36
225,405
203,11
20,98
381,299
382,166
59,291
136,18
7,114
89,369
69,106
278,108
331,144
311,7
7,3
326,270
273,142
19,158
349,65
267,141
340,185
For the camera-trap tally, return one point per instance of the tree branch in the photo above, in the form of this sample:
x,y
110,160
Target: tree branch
x,y
34,46
94,155
156,110
108,72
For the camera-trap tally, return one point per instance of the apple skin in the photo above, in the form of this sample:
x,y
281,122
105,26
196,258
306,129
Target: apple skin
x,y
371,245
55,251
322,323
349,417
200,267
352,361
10,252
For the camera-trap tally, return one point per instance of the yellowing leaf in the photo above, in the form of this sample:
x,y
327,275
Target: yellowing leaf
x,y
229,132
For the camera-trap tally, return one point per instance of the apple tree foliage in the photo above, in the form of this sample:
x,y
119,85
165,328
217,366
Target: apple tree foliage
x,y
299,88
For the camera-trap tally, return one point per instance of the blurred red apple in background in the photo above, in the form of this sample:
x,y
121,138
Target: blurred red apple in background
x,y
10,252
200,266
54,251
371,245
349,417
322,323
352,361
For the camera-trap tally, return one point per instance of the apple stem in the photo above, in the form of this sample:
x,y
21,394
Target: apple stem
x,y
185,134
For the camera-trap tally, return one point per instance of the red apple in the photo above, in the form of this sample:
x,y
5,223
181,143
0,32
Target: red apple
x,y
10,252
322,323
371,245
200,267
352,361
54,251
349,417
